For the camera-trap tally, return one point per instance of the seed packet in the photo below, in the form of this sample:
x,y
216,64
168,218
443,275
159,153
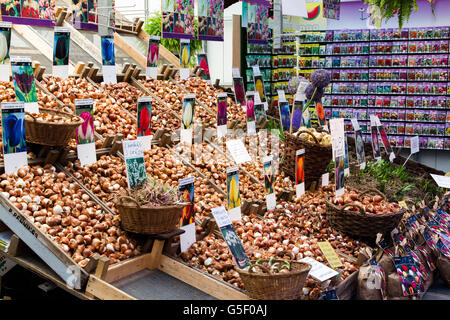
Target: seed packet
x,y
417,128
440,130
409,128
441,116
413,33
392,128
447,144
409,115
401,114
411,277
400,141
431,143
427,129
388,61
400,128
394,101
371,100
401,101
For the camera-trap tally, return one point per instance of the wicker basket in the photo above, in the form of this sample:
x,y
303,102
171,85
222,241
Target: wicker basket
x,y
360,223
146,220
51,134
278,286
317,157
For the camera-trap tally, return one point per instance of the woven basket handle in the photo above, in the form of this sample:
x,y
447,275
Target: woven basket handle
x,y
31,115
281,253
67,109
128,198
252,265
361,209
375,191
304,131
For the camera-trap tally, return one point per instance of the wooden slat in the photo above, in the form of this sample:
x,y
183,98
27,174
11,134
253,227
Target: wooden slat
x,y
102,267
130,50
127,267
200,280
104,291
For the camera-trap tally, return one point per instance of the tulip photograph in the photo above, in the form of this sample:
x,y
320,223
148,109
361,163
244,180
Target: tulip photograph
x,y
61,49
268,177
284,114
153,54
188,113
339,172
260,113
5,41
222,111
360,147
144,119
85,132
187,195
299,169
13,124
24,85
234,196
239,91
184,55
108,57
250,110
11,8
235,245
259,86
203,63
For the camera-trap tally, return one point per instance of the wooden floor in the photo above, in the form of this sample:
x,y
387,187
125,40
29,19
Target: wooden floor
x,y
157,285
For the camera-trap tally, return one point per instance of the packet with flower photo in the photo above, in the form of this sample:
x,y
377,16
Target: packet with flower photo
x,y
85,133
153,57
5,45
13,136
203,63
61,47
108,59
185,53
221,115
269,182
233,194
187,117
239,93
25,88
250,110
144,122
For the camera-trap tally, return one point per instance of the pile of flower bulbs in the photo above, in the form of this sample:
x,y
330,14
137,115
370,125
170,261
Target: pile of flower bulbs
x,y
60,208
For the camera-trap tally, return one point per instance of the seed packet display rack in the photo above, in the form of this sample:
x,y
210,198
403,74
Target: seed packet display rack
x,y
402,121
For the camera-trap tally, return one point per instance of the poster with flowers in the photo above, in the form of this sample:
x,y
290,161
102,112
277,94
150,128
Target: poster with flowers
x,y
29,12
258,23
178,19
84,14
210,20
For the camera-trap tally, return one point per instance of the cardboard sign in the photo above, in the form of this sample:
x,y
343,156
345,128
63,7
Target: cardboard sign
x,y
61,51
330,254
233,194
135,165
229,234
299,173
25,88
238,151
319,271
108,59
281,96
337,137
414,144
153,57
86,132
221,115
269,182
256,70
188,237
5,61
13,136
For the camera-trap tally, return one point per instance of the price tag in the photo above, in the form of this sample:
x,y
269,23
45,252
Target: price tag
x,y
281,95
355,124
238,151
442,181
5,264
257,98
414,144
319,271
337,137
330,254
403,204
325,179
236,73
256,71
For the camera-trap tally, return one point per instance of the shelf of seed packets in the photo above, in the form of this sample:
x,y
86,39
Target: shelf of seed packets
x,y
284,66
261,55
400,76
